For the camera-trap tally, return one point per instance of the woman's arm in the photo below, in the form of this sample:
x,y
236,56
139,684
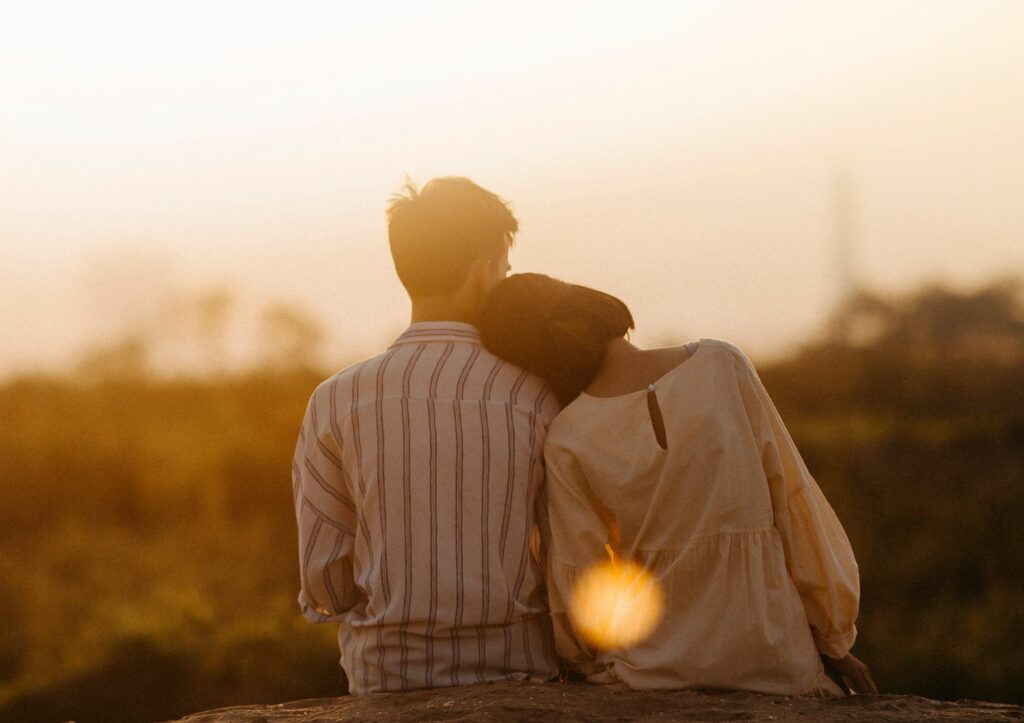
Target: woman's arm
x,y
818,554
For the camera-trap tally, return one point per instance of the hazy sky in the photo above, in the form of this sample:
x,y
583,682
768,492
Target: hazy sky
x,y
682,155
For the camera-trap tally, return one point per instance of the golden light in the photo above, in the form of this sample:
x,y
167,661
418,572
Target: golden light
x,y
616,605
255,150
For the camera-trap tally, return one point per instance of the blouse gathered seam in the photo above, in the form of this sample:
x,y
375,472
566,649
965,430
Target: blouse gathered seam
x,y
555,557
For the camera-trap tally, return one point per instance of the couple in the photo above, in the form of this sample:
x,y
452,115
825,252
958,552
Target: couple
x,y
449,491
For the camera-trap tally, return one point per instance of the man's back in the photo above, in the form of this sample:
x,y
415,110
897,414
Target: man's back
x,y
416,476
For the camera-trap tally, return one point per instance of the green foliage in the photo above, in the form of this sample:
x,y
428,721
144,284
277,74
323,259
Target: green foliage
x,y
915,434
147,540
148,563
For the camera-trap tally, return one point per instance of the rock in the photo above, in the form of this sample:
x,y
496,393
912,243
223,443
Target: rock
x,y
540,703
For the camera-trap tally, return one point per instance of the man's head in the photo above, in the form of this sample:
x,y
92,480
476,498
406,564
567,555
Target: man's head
x,y
450,238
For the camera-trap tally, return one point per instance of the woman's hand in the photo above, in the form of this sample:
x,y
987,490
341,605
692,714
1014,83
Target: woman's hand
x,y
856,673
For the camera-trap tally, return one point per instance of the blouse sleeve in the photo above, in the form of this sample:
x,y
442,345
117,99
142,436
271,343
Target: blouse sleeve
x,y
578,535
818,553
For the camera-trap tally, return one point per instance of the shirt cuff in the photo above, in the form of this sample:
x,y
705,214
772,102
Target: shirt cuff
x,y
312,613
836,646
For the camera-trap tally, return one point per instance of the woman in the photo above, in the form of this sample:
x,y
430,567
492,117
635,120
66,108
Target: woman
x,y
678,458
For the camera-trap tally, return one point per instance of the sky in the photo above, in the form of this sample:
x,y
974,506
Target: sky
x,y
694,158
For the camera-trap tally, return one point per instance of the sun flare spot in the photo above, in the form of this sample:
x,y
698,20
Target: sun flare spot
x,y
616,604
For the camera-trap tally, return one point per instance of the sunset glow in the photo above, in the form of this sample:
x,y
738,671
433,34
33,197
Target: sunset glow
x,y
225,486
682,155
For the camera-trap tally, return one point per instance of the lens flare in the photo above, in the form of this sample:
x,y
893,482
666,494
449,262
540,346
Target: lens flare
x,y
616,605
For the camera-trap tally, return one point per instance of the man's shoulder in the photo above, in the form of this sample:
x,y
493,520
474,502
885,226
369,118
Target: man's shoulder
x,y
521,388
341,382
483,375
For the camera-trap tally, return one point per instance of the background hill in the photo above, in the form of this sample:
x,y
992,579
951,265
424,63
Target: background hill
x,y
147,541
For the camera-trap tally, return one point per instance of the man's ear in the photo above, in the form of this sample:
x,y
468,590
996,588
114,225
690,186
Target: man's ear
x,y
479,274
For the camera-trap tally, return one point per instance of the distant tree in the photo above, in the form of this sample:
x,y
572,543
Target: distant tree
x,y
195,329
289,338
935,350
213,310
936,321
126,359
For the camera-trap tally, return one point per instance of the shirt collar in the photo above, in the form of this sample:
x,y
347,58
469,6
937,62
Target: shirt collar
x,y
445,331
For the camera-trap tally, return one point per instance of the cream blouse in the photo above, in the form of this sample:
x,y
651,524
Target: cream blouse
x,y
757,572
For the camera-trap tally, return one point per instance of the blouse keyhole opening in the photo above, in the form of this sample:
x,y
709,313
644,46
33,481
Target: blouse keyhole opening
x,y
657,421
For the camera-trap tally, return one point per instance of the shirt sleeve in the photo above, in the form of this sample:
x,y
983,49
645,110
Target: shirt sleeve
x,y
325,516
578,534
818,553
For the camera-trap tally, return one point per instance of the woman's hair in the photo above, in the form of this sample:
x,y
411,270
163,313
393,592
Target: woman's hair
x,y
556,330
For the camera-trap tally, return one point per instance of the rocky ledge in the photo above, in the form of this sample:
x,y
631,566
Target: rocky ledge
x,y
538,703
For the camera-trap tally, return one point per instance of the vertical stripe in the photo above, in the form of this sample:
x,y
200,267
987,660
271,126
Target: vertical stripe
x,y
357,437
358,442
336,431
331,559
403,628
432,430
534,456
296,482
344,642
439,592
485,513
510,430
460,588
506,516
310,545
382,506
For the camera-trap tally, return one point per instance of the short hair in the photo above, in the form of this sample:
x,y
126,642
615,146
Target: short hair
x,y
558,331
437,232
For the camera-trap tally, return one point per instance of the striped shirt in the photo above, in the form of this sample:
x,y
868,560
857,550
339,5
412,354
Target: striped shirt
x,y
416,482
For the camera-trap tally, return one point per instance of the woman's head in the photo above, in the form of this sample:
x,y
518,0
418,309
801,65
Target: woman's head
x,y
556,330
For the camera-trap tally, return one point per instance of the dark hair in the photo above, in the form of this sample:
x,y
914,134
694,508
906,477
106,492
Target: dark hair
x,y
558,331
437,232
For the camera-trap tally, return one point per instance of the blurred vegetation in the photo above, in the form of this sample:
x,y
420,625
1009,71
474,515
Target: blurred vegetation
x,y
910,414
147,541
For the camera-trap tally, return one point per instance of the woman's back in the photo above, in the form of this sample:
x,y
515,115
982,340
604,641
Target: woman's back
x,y
705,489
634,369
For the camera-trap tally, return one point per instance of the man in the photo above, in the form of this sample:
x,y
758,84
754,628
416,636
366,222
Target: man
x,y
417,473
